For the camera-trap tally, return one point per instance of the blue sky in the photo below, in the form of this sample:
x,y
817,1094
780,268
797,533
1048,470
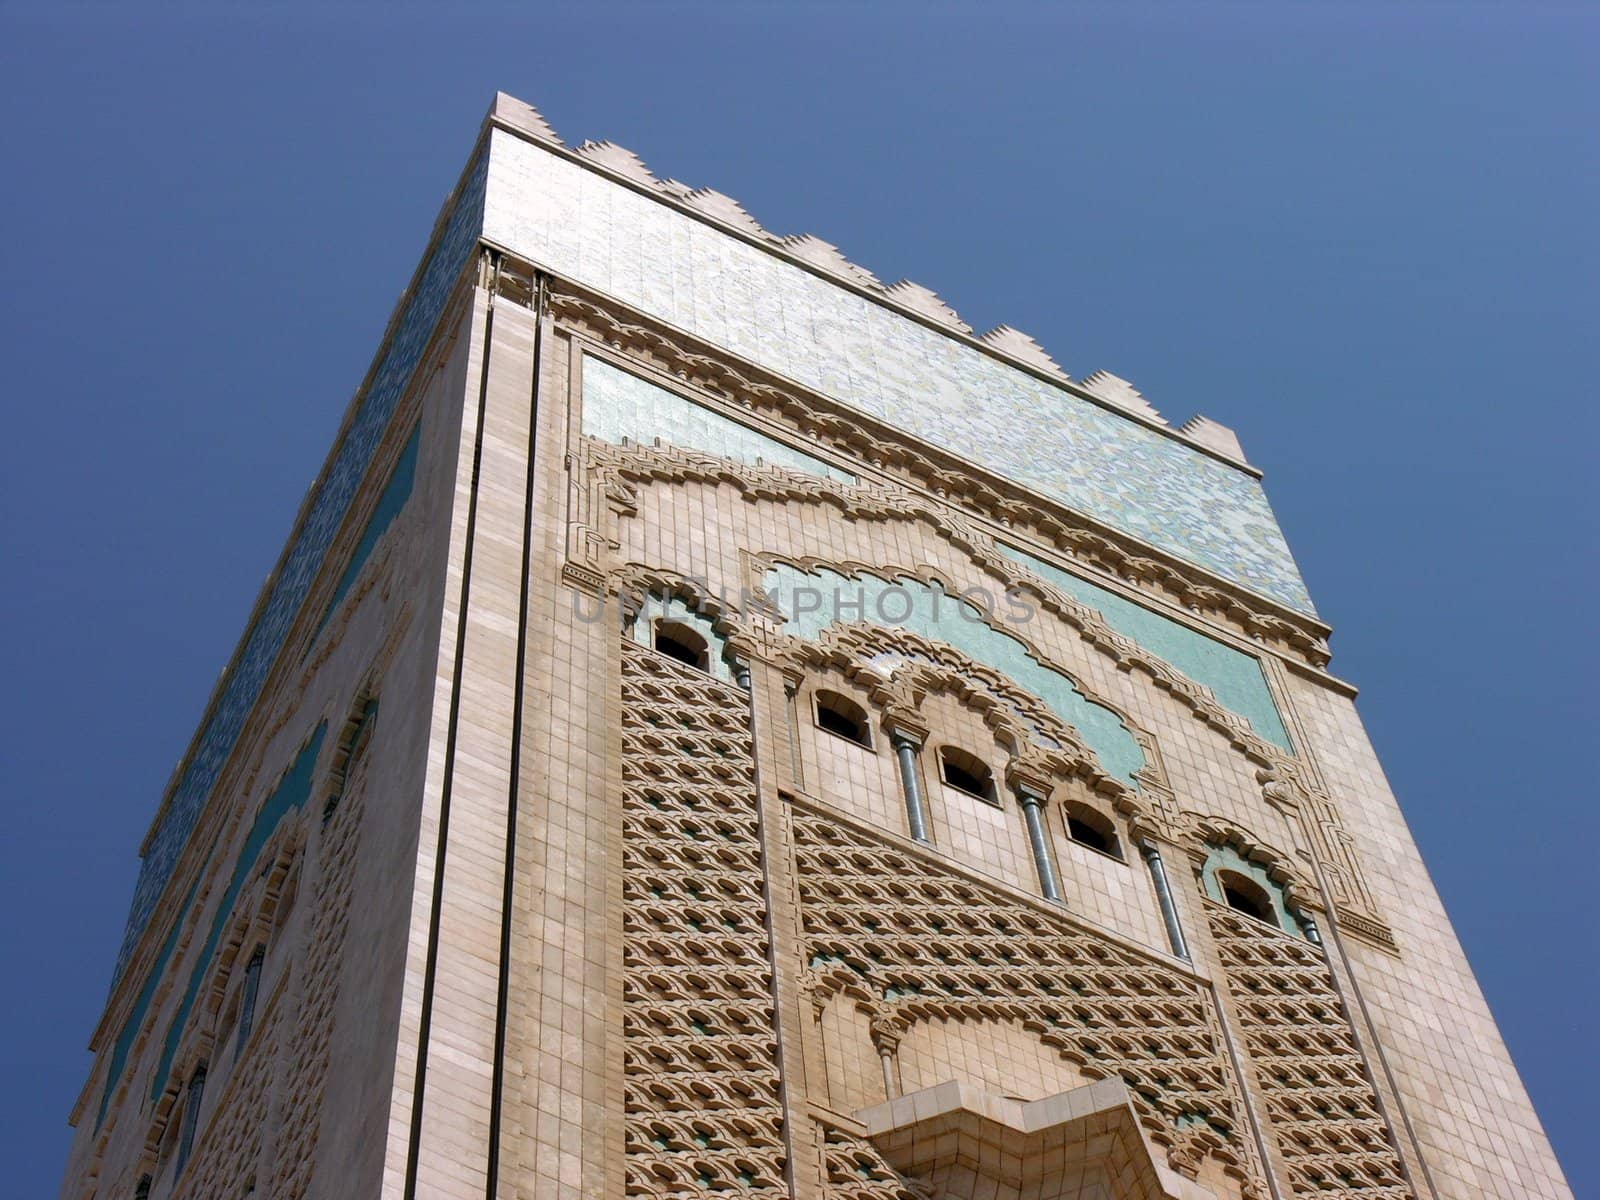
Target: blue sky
x,y
1363,235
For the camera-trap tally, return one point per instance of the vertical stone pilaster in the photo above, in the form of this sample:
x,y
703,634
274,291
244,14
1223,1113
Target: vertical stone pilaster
x,y
771,711
450,1009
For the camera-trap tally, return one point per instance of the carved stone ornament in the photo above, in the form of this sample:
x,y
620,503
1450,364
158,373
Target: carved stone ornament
x,y
816,419
1285,784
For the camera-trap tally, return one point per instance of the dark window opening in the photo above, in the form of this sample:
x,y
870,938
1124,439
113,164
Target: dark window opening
x,y
1091,829
966,773
1246,896
679,641
190,1117
247,1002
843,717
352,742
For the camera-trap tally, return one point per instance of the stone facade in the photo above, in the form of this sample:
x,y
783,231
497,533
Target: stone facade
x,y
722,727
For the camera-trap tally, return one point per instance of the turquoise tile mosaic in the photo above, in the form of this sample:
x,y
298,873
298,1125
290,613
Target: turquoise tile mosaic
x,y
1233,676
813,600
618,405
264,639
593,230
395,494
290,795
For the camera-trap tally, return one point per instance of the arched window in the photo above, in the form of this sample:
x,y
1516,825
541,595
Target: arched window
x,y
842,716
189,1118
967,773
352,741
1246,896
677,640
1092,829
249,992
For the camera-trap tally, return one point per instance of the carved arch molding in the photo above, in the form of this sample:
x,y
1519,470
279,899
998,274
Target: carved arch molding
x,y
817,419
605,491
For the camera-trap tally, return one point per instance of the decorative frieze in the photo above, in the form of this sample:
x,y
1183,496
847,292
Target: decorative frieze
x,y
816,419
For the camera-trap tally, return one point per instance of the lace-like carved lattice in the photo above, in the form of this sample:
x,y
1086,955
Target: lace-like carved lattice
x,y
1320,1104
312,1044
918,943
854,1170
700,1054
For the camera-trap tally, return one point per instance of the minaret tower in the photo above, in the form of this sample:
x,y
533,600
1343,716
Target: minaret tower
x,y
721,726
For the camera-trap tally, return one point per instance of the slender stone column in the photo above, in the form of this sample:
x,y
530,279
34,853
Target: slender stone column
x,y
1032,782
906,746
891,1086
1033,813
1169,910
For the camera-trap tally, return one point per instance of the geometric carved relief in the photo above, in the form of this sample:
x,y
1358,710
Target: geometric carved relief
x,y
852,1169
914,943
700,1054
227,1157
323,956
1320,1105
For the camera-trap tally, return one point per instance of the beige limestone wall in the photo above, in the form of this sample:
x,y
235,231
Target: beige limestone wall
x,y
305,1096
564,1068
999,1055
1479,1134
440,1112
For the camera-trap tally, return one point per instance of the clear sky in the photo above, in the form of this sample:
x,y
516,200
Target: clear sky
x,y
1363,235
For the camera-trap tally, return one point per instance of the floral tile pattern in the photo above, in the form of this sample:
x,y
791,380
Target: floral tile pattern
x,y
590,229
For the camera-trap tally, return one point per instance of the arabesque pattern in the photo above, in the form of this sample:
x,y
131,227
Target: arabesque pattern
x,y
1321,1106
917,943
703,1107
853,1169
